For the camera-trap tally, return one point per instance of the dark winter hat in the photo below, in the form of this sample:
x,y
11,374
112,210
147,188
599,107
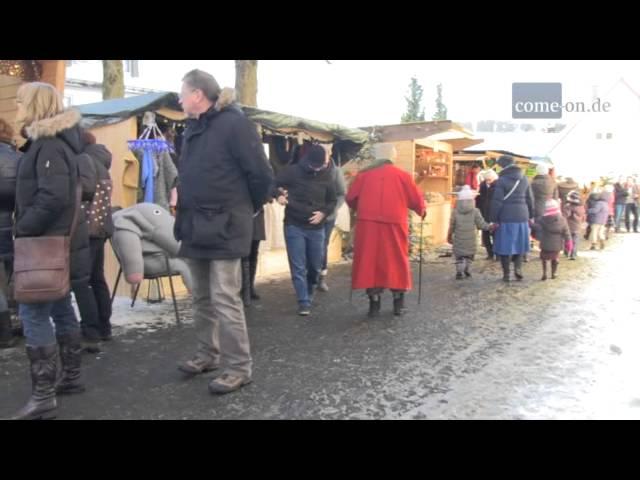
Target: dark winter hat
x,y
505,160
573,197
314,158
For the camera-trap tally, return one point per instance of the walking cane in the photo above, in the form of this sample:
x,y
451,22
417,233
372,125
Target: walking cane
x,y
420,267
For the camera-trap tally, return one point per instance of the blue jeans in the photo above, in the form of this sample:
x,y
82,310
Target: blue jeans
x,y
36,321
328,229
304,250
620,208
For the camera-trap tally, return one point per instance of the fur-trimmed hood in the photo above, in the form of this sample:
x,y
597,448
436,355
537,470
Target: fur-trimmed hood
x,y
226,102
50,127
226,98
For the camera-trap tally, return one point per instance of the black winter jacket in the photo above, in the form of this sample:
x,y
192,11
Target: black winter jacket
x,y
308,192
46,184
518,207
223,178
8,166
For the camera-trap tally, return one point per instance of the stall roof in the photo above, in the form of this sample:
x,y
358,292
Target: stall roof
x,y
130,106
444,130
115,110
485,152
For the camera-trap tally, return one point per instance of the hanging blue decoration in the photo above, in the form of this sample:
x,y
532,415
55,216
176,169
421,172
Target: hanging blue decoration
x,y
150,142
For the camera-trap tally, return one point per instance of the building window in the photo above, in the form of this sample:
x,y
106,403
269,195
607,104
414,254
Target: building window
x,y
132,67
598,136
609,136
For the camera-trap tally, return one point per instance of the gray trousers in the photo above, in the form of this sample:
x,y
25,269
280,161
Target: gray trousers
x,y
219,314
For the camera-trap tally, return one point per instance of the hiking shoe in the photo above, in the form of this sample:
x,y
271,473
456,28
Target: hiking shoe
x,y
227,383
322,284
197,365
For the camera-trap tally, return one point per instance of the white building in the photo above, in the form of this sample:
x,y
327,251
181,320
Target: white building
x,y
592,145
83,82
603,144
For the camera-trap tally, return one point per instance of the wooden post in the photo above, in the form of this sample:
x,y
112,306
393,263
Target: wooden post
x,y
54,72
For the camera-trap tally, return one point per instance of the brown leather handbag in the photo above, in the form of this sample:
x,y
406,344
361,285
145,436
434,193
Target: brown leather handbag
x,y
42,265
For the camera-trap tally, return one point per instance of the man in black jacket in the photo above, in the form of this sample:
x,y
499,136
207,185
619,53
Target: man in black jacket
x,y
224,177
307,189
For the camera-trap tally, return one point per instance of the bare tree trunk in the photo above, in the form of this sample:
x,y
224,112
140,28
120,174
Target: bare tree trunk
x,y
112,79
247,82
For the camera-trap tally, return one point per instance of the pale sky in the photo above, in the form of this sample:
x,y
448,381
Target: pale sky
x,y
367,92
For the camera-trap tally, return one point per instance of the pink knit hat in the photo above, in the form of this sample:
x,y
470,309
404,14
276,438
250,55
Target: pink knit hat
x,y
551,207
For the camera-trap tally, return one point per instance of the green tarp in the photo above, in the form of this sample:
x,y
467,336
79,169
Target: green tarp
x,y
113,111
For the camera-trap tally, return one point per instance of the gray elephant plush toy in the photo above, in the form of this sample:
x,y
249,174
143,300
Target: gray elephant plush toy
x,y
140,233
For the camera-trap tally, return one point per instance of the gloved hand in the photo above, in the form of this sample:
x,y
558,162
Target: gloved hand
x,y
568,245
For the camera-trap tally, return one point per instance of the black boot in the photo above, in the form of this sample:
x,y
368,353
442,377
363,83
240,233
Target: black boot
x,y
517,266
253,266
245,292
554,268
459,269
505,260
374,306
71,356
544,270
398,303
7,340
90,340
42,404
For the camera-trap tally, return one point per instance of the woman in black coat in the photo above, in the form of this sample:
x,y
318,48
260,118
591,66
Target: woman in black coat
x,y
250,263
8,165
512,209
45,204
483,202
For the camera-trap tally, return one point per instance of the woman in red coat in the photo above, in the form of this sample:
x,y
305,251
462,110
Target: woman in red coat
x,y
381,195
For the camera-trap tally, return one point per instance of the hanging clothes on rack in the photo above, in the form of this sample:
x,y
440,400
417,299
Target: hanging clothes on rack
x,y
158,174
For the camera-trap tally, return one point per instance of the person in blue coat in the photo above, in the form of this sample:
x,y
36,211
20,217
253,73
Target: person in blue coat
x,y
512,209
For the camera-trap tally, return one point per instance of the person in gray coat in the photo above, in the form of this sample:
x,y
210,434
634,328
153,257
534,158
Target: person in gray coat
x,y
544,188
462,231
597,217
141,232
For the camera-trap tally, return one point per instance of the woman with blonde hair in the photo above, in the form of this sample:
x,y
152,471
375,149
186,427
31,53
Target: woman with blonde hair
x,y
45,204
